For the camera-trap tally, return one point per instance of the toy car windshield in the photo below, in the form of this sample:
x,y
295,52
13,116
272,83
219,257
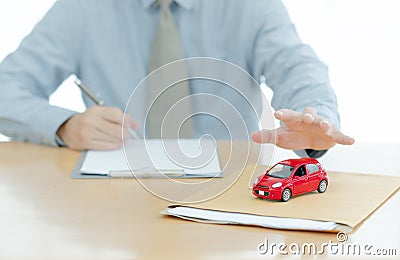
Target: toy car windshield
x,y
280,171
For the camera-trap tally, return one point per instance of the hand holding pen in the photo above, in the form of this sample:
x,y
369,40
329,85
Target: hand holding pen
x,y
96,99
99,127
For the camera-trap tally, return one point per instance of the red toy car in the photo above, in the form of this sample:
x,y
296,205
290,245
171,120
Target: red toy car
x,y
289,178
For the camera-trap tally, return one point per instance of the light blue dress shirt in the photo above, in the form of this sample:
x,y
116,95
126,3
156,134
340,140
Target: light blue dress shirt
x,y
106,43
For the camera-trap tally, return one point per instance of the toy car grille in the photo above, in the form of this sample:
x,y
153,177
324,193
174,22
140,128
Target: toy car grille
x,y
262,193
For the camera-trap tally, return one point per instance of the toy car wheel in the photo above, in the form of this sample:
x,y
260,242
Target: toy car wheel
x,y
286,195
322,186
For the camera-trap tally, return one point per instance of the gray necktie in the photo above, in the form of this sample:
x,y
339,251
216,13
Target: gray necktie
x,y
167,47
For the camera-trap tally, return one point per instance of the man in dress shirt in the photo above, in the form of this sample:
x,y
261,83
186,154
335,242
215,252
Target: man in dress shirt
x,y
107,45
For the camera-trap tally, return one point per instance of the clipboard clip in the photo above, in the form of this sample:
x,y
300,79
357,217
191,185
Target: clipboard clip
x,y
147,173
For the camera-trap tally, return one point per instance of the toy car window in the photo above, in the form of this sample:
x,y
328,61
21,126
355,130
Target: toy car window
x,y
281,171
301,171
312,168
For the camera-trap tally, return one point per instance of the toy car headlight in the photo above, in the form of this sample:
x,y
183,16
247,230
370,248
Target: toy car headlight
x,y
255,181
276,185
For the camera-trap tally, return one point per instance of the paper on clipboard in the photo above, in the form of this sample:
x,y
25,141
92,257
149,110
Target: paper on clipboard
x,y
151,159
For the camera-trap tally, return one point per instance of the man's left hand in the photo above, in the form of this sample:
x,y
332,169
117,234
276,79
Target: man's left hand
x,y
302,130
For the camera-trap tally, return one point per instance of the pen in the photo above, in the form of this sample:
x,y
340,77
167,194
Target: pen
x,y
88,92
96,99
133,133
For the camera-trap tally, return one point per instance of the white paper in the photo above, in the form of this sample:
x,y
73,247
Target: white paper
x,y
101,162
249,219
158,155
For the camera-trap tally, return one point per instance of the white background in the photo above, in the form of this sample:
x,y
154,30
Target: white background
x,y
358,39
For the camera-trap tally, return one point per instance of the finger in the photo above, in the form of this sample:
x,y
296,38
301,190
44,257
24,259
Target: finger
x,y
102,136
126,134
264,136
129,128
111,130
100,144
341,138
309,115
112,114
130,122
96,139
288,116
323,124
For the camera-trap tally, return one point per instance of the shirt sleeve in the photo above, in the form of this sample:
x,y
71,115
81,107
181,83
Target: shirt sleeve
x,y
292,69
46,57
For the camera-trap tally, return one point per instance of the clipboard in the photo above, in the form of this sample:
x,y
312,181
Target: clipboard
x,y
149,159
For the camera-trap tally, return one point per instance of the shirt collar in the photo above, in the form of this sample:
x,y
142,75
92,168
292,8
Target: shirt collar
x,y
187,4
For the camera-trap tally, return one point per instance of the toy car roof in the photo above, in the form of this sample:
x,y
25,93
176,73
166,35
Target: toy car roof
x,y
295,162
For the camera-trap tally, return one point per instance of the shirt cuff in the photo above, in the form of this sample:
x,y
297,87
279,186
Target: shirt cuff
x,y
310,153
60,142
59,117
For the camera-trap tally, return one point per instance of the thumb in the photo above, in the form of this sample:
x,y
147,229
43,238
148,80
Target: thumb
x,y
264,136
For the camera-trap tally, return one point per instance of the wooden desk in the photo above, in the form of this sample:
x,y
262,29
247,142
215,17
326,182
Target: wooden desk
x,y
46,214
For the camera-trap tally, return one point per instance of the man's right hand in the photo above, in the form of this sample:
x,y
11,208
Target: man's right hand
x,y
98,128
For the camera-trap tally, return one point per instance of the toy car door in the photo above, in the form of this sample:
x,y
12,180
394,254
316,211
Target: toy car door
x,y
300,181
